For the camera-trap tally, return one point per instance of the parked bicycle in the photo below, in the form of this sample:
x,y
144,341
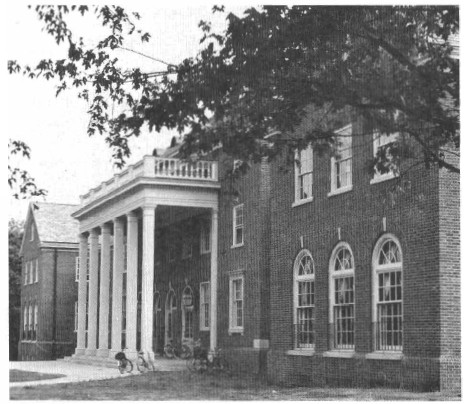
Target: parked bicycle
x,y
124,364
204,361
182,352
144,365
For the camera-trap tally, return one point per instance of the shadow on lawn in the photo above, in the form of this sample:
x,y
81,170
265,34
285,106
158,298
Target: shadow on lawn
x,y
17,376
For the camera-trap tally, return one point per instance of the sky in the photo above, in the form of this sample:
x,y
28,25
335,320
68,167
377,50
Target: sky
x,y
64,160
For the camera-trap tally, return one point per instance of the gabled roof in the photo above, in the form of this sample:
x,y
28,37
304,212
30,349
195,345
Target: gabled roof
x,y
53,222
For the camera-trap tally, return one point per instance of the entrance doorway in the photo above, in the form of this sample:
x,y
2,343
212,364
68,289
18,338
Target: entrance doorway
x,y
187,316
170,313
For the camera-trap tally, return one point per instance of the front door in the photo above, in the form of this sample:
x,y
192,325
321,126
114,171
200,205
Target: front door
x,y
170,312
187,316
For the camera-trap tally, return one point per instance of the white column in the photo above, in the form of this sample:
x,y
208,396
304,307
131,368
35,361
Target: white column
x,y
214,242
104,293
82,294
131,283
147,285
93,292
117,288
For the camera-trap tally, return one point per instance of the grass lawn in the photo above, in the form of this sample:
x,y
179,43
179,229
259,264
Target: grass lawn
x,y
187,386
24,376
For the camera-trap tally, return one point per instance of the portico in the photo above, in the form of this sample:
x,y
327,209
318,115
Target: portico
x,y
117,246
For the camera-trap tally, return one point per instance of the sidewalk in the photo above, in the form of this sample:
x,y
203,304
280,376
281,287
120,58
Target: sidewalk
x,y
73,372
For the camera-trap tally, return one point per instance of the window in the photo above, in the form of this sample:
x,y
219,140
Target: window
x,y
76,316
30,321
32,231
341,163
187,313
204,305
31,272
205,237
304,175
26,272
342,297
170,307
36,272
77,268
304,300
381,140
238,225
387,294
236,304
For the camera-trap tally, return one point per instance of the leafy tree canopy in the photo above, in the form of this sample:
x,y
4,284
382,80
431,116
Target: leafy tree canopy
x,y
270,68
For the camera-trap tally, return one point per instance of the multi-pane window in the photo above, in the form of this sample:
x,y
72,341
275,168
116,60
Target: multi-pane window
x,y
171,306
238,225
25,322
26,272
387,286
187,246
204,305
236,303
187,313
30,321
36,271
381,141
32,231
341,163
36,318
304,301
304,174
205,237
342,297
31,272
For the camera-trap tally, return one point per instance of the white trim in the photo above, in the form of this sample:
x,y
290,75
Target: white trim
x,y
297,173
302,202
339,191
36,271
77,268
345,145
205,238
386,355
383,177
341,353
261,343
301,352
233,328
76,317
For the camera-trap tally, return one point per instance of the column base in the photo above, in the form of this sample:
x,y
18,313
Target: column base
x,y
91,352
103,352
80,351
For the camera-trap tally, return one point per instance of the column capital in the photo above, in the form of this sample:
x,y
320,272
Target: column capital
x,y
105,228
94,233
215,211
83,237
131,216
149,210
117,222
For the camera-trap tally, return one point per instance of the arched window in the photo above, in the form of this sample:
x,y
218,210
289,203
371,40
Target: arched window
x,y
342,297
187,313
304,300
387,294
170,309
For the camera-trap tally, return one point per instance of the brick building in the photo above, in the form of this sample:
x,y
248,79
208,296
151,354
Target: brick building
x,y
49,289
312,273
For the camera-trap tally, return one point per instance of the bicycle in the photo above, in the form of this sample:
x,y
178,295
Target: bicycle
x,y
171,352
202,361
124,364
142,365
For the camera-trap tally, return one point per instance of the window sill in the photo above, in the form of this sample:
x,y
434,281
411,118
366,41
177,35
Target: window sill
x,y
302,202
381,178
339,354
301,352
233,331
391,356
236,245
339,191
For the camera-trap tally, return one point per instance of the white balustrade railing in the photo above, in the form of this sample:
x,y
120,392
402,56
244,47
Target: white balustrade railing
x,y
175,168
156,167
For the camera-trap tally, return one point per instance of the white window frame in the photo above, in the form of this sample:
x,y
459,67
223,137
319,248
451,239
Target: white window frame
x,y
236,225
31,272
379,140
341,274
204,306
76,316
30,320
302,156
296,280
32,232
26,272
344,154
381,269
233,306
25,321
205,237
